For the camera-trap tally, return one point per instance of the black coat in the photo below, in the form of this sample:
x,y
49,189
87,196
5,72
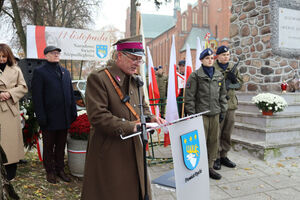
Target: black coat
x,y
53,97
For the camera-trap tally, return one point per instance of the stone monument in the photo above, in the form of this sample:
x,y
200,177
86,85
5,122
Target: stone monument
x,y
266,36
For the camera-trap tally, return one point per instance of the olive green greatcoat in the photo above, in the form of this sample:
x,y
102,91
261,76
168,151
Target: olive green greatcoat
x,y
203,93
114,167
11,137
162,84
231,96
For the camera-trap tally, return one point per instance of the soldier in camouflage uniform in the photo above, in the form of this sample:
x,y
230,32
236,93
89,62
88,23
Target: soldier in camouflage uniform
x,y
162,83
233,82
205,90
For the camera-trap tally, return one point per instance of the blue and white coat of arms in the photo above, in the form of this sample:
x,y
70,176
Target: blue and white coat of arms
x,y
191,149
101,51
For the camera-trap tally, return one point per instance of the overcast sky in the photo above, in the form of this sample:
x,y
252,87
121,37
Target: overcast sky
x,y
113,12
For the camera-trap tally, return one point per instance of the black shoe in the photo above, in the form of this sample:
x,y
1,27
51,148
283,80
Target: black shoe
x,y
217,164
23,161
51,178
228,163
63,176
214,175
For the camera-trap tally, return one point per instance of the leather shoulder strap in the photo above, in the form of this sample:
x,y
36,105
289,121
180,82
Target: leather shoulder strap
x,y
118,90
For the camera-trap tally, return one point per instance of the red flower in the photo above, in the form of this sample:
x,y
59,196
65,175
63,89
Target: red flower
x,y
80,128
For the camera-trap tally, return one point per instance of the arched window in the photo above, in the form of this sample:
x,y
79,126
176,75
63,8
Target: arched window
x,y
205,15
184,24
195,18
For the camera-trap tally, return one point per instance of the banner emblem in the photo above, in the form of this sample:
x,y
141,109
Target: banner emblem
x,y
190,149
101,51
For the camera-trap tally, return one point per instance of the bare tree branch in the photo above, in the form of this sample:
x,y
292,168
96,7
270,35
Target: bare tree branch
x,y
18,23
1,4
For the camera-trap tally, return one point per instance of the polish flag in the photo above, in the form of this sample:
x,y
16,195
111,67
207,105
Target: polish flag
x,y
171,107
198,52
188,63
36,40
152,85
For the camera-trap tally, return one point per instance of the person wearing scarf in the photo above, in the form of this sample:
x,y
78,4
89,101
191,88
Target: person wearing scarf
x,y
226,127
205,90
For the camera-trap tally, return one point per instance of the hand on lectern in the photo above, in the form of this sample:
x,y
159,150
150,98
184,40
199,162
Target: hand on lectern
x,y
158,120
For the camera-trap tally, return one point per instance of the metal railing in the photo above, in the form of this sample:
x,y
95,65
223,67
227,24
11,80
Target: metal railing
x,y
152,159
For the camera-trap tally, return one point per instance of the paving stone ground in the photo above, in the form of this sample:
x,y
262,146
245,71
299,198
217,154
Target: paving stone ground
x,y
252,179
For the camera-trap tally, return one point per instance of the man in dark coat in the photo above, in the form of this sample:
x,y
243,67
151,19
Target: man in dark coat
x,y
114,167
55,108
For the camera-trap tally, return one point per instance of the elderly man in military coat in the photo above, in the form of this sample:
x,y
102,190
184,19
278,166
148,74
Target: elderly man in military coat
x,y
114,167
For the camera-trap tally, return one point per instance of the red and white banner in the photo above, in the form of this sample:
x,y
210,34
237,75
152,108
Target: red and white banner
x,y
76,44
188,63
152,83
171,107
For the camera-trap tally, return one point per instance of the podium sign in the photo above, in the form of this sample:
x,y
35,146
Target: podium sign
x,y
190,159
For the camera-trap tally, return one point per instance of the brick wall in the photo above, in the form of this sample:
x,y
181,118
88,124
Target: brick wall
x,y
219,15
251,31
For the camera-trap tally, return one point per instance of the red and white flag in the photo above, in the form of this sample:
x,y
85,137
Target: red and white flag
x,y
198,52
171,107
188,63
152,85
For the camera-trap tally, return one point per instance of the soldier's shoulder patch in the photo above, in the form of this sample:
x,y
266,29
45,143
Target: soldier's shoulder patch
x,y
220,83
188,85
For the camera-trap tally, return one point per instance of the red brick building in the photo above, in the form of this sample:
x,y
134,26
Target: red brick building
x,y
204,16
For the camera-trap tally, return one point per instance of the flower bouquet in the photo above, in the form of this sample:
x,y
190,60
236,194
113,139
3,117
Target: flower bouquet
x,y
31,128
80,128
269,102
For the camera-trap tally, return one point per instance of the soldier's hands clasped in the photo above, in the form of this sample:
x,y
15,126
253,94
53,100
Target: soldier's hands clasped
x,y
221,117
232,77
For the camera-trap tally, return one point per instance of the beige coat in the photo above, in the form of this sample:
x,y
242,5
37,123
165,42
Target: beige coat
x,y
11,137
114,167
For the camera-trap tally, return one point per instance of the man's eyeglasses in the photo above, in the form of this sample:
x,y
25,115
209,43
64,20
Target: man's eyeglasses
x,y
136,59
54,53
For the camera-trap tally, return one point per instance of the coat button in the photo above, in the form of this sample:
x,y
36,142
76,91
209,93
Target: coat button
x,y
123,119
134,105
131,92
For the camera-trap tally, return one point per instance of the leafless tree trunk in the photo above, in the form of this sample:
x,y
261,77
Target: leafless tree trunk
x,y
18,23
1,4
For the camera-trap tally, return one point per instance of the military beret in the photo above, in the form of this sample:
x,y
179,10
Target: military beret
x,y
51,48
160,67
222,49
132,45
155,68
182,62
206,52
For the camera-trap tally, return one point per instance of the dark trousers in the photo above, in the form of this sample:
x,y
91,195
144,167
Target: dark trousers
x,y
11,170
54,143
